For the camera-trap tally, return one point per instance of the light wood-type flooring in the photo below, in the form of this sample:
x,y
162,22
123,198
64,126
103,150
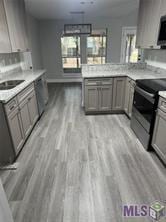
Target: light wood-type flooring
x,y
78,168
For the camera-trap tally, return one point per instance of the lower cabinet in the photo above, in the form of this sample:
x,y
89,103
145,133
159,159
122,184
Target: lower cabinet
x,y
91,99
159,138
118,93
16,130
25,117
109,95
105,98
22,116
98,95
32,106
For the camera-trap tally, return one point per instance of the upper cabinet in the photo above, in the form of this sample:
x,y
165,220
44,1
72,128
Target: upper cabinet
x,y
13,26
150,12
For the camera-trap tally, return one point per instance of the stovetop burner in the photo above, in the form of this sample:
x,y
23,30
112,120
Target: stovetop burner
x,y
152,85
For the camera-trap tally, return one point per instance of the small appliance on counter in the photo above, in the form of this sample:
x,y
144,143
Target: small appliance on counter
x,y
144,108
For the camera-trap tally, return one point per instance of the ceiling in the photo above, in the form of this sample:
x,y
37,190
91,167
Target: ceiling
x,y
60,9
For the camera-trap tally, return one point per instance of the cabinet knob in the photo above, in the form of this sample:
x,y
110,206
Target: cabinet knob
x,y
19,50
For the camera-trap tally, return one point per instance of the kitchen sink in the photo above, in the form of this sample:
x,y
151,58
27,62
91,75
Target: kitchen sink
x,y
10,84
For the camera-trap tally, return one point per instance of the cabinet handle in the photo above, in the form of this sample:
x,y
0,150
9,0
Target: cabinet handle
x,y
19,50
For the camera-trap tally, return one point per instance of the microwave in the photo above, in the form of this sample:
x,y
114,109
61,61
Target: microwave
x,y
162,32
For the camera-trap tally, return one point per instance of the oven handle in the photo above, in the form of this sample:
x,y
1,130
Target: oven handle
x,y
144,93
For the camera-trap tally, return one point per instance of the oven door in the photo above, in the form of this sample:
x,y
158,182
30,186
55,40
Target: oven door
x,y
143,107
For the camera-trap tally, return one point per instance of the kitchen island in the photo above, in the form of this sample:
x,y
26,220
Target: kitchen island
x,y
109,88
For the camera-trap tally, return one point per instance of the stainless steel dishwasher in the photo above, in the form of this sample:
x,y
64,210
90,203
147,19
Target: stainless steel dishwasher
x,y
40,94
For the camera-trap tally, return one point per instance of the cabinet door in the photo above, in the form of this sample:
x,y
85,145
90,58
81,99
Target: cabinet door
x,y
131,97
159,139
140,25
15,125
147,29
33,110
5,45
105,98
162,8
118,94
91,98
127,95
15,13
25,117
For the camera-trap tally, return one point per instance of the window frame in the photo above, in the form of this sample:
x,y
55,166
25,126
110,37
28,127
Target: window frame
x,y
77,57
97,56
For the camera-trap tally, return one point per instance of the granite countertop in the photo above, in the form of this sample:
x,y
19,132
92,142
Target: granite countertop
x,y
29,77
133,73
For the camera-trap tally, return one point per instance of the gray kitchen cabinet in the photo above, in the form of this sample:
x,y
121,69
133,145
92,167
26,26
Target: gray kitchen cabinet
x,y
28,109
25,117
32,106
148,27
98,95
14,26
5,45
105,98
91,99
159,139
16,130
118,93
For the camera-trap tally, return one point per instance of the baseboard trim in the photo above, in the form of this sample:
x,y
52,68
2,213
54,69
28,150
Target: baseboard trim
x,y
64,80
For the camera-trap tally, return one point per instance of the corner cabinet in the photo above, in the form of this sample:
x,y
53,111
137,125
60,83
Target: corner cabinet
x,y
129,95
159,139
13,26
98,95
118,93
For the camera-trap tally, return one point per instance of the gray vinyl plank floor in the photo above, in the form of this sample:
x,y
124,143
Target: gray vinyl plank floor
x,y
78,168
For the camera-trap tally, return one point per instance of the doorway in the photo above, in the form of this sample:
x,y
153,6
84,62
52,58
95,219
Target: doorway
x,y
129,52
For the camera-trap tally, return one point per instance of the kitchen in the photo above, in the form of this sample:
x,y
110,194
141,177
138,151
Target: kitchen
x,y
83,110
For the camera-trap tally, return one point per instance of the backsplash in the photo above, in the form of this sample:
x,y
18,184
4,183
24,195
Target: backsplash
x,y
9,63
9,59
14,62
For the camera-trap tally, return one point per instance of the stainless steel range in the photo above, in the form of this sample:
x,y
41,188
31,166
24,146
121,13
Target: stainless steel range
x,y
144,107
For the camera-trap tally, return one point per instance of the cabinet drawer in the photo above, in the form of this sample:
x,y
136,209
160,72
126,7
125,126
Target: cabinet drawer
x,y
10,106
162,104
22,95
98,81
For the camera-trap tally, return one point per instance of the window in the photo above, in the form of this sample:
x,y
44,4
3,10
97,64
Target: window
x,y
71,53
96,48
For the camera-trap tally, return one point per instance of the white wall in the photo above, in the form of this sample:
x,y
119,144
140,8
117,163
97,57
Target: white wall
x,y
50,34
34,41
